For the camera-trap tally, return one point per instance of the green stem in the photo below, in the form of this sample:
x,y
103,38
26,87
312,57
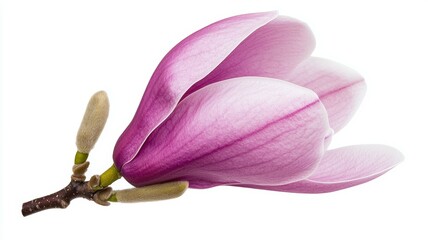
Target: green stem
x,y
109,176
80,157
112,198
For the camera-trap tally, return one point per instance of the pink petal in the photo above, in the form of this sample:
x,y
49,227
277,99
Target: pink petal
x,y
345,167
271,51
340,88
256,44
246,130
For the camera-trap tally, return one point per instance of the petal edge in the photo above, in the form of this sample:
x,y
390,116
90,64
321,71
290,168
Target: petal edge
x,y
340,88
345,167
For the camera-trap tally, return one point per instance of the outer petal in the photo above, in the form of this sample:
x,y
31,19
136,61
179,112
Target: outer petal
x,y
271,51
246,130
252,44
345,167
340,88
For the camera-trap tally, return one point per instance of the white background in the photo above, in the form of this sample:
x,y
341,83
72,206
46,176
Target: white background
x,y
57,53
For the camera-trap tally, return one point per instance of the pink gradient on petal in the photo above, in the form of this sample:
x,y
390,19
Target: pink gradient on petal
x,y
271,51
246,130
339,88
188,62
343,168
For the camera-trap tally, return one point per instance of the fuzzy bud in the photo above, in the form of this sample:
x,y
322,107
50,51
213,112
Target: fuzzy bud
x,y
152,193
93,122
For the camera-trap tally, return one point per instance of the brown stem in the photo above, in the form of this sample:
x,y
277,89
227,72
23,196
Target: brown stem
x,y
60,199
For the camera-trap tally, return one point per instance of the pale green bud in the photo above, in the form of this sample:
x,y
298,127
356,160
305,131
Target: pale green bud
x,y
93,122
152,192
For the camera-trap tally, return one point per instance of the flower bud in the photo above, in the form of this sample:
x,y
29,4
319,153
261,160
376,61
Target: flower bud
x,y
152,192
93,122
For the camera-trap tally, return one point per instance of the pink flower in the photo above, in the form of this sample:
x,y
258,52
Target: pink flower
x,y
241,102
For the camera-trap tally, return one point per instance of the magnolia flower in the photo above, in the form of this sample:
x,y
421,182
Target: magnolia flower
x,y
241,102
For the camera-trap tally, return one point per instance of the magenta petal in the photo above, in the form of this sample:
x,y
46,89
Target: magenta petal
x,y
271,51
188,62
246,130
254,44
345,167
340,88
